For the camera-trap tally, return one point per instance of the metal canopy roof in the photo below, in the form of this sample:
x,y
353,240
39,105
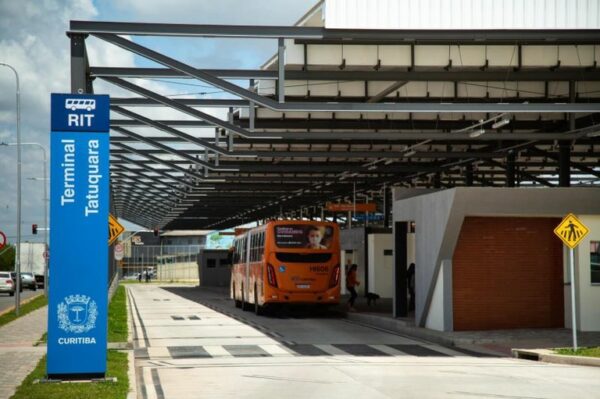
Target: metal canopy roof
x,y
307,130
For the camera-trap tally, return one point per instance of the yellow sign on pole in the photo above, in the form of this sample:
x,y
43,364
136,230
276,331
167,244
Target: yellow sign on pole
x,y
571,231
114,229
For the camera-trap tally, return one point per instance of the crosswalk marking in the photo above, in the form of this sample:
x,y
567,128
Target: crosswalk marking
x,y
279,350
158,351
390,351
332,350
217,351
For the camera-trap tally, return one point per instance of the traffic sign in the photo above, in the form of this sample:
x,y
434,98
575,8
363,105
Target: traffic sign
x,y
571,231
2,240
114,229
119,252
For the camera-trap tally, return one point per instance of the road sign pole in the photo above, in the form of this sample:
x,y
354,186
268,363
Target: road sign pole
x,y
573,305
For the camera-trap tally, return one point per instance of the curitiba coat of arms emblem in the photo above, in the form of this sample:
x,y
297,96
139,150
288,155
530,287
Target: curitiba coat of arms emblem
x,y
77,314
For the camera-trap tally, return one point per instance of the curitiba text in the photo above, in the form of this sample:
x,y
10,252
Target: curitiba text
x,y
77,341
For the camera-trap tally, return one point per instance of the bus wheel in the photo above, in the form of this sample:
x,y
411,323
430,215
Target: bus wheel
x,y
238,304
258,310
245,305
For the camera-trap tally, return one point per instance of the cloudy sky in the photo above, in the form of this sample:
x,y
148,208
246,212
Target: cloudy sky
x,y
33,40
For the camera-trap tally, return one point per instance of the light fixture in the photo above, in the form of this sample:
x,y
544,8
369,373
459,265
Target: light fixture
x,y
594,134
389,161
476,133
409,153
500,123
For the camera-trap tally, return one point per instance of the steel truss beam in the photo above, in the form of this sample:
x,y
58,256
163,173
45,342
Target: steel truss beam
x,y
179,153
324,107
336,154
347,36
160,126
455,74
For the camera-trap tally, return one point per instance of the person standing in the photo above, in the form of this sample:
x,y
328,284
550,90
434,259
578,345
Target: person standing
x,y
351,283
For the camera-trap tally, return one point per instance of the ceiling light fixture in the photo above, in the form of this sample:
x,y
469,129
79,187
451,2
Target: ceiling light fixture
x,y
476,133
500,123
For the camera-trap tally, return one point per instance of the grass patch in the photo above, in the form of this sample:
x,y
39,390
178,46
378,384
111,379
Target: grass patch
x,y
42,340
116,367
117,316
591,352
29,307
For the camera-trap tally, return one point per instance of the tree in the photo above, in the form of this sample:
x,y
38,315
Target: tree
x,y
215,239
7,258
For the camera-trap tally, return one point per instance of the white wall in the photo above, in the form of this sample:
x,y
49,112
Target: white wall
x,y
435,317
462,14
381,279
178,271
588,294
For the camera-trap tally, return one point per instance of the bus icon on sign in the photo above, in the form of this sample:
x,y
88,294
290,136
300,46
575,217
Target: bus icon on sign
x,y
77,103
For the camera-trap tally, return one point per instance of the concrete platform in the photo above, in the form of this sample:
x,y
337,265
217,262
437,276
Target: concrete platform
x,y
500,342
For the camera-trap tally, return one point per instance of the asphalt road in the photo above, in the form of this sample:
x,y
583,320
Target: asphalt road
x,y
7,301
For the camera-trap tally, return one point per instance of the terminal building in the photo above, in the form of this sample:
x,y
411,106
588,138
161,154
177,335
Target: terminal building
x,y
473,130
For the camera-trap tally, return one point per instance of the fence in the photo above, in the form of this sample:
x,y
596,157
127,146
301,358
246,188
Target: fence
x,y
161,262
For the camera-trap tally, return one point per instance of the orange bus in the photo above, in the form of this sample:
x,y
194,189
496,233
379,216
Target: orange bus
x,y
286,261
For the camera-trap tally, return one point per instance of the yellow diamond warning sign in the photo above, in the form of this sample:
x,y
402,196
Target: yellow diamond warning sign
x,y
571,231
114,229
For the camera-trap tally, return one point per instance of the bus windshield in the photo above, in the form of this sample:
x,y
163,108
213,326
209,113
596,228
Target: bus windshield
x,y
304,236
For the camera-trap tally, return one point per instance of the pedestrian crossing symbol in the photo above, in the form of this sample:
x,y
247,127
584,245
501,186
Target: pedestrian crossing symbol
x,y
571,231
114,229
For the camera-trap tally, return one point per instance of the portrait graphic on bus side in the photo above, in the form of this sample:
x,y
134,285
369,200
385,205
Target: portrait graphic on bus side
x,y
304,236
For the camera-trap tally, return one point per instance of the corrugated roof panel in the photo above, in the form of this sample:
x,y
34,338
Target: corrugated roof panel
x,y
462,14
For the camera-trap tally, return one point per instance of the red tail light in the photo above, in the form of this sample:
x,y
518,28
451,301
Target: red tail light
x,y
335,276
9,281
271,275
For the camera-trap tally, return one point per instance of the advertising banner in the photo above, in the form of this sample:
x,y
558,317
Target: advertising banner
x,y
303,236
79,206
358,207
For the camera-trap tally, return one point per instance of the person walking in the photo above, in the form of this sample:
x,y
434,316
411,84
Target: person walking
x,y
351,283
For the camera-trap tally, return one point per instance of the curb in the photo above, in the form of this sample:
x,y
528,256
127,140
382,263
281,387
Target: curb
x,y
548,356
23,302
402,327
131,372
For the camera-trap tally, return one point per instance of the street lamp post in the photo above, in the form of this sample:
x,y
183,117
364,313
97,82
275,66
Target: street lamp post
x,y
18,249
46,202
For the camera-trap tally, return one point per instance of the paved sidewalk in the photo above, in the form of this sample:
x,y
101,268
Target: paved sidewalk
x,y
19,356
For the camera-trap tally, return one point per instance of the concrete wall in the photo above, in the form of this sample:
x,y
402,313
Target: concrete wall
x,y
439,215
177,271
214,268
380,265
438,314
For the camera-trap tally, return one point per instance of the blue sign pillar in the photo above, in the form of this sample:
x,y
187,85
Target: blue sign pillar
x,y
79,207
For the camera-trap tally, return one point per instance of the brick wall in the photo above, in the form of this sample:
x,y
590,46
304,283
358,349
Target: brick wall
x,y
507,273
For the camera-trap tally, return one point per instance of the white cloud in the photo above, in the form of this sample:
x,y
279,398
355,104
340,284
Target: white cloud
x,y
33,42
230,12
